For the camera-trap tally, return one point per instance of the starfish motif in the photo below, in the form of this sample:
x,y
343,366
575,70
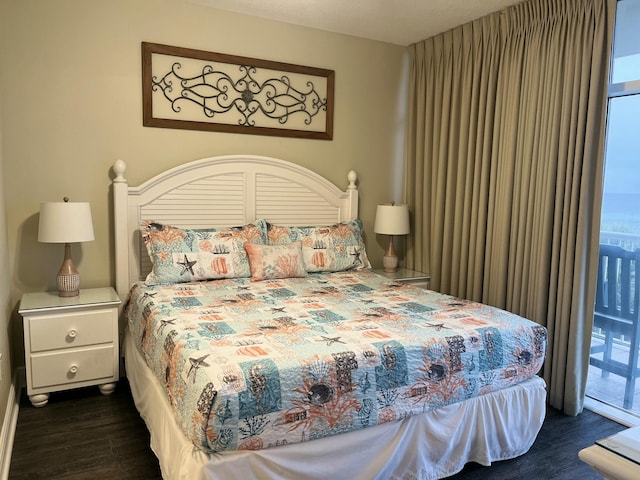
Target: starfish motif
x,y
438,326
187,265
196,363
164,323
356,256
331,340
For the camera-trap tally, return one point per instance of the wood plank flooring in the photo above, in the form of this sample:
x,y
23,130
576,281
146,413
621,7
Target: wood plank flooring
x,y
83,435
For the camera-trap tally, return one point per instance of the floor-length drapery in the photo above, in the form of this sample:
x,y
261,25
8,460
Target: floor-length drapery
x,y
505,157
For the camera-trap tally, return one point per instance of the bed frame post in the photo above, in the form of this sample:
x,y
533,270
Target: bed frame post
x,y
120,194
352,197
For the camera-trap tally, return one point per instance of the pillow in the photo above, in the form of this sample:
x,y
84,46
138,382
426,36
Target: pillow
x,y
275,261
331,248
182,255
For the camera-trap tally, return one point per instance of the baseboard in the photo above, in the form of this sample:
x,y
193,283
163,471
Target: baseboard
x,y
9,423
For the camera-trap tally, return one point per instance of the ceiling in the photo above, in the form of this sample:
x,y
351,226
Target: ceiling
x,y
401,22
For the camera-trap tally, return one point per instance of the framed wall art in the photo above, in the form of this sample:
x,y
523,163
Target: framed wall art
x,y
198,90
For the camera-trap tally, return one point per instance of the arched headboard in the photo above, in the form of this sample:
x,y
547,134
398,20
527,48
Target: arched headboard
x,y
221,191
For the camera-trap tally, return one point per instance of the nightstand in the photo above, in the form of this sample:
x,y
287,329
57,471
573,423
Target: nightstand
x,y
404,275
70,342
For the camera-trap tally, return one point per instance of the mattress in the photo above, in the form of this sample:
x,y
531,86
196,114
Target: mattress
x,y
250,365
436,444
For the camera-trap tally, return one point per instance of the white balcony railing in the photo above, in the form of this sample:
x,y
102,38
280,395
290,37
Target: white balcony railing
x,y
628,241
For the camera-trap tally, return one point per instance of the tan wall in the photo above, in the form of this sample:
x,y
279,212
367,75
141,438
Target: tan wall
x,y
70,77
5,297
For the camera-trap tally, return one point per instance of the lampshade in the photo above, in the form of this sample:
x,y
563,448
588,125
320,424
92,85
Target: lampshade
x,y
65,222
392,219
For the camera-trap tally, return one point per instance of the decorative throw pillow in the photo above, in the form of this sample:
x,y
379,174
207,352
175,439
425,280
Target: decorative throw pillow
x,y
275,261
184,255
330,248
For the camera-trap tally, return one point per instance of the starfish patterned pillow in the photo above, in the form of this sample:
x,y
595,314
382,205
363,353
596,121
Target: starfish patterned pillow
x,y
330,248
189,255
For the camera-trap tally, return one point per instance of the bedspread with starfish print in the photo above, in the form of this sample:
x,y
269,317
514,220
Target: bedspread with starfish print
x,y
250,365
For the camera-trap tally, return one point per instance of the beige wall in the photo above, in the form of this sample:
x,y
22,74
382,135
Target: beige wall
x,y
70,80
5,297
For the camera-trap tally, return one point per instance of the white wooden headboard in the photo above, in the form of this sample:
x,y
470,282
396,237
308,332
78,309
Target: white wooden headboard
x,y
221,192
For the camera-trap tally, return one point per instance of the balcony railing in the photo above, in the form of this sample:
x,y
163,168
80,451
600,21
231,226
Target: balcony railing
x,y
600,385
628,241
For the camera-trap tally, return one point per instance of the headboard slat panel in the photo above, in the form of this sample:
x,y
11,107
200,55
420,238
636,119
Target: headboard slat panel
x,y
280,201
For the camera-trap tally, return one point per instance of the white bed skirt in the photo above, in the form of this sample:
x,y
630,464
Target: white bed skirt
x,y
497,426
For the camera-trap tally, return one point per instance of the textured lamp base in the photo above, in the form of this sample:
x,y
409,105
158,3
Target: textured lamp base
x,y
68,285
390,259
68,278
390,264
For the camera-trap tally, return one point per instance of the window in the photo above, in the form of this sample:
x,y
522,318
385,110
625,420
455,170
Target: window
x,y
621,201
613,367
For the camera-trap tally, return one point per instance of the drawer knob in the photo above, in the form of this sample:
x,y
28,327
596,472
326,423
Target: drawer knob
x,y
73,370
72,333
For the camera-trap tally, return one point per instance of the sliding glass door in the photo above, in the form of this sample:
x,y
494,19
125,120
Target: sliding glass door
x,y
615,345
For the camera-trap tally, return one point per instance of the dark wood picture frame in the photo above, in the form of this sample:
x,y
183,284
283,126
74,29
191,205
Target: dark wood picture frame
x,y
228,85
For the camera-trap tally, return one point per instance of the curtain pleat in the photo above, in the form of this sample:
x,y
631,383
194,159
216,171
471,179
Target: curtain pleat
x,y
505,158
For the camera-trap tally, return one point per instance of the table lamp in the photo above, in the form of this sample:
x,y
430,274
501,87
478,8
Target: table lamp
x,y
66,222
391,219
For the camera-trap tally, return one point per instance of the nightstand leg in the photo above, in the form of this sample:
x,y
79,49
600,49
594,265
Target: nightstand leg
x,y
39,399
107,388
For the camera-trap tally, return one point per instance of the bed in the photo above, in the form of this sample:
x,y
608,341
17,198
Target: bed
x,y
258,343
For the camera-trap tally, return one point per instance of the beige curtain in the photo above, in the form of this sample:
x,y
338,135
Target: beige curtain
x,y
505,155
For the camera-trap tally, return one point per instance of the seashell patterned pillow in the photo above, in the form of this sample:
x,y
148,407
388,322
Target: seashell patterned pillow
x,y
329,248
185,255
275,261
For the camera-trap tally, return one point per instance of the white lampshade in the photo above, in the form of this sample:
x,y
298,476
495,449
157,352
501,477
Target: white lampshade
x,y
65,222
392,219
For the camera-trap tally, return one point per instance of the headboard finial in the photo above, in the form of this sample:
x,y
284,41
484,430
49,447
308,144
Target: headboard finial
x,y
119,167
352,176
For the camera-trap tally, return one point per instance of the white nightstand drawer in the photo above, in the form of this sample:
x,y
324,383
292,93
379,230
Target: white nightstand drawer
x,y
72,366
51,332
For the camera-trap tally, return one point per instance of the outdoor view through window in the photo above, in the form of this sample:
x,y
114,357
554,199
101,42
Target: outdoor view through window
x,y
616,335
621,205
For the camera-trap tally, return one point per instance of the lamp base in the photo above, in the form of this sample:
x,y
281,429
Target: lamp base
x,y
68,285
390,259
68,279
390,264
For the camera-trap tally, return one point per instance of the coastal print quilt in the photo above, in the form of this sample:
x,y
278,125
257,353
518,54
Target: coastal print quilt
x,y
251,365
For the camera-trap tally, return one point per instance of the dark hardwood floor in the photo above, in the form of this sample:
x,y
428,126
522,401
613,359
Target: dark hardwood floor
x,y
81,434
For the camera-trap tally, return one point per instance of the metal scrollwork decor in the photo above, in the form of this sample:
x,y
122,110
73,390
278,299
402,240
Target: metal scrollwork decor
x,y
199,90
